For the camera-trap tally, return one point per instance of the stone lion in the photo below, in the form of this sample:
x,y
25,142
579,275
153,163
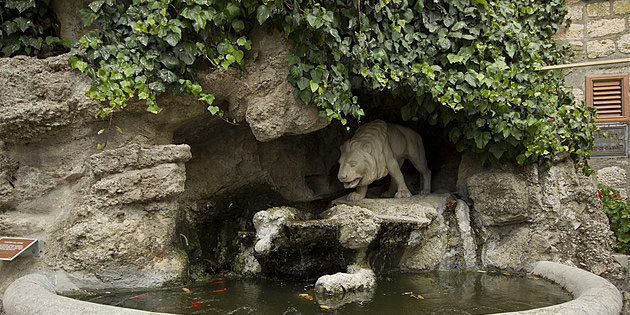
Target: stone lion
x,y
376,150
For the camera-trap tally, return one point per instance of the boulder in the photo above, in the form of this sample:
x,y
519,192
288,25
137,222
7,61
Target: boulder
x,y
356,279
501,197
267,224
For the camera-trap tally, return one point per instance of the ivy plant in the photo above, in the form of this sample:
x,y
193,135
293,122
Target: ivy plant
x,y
29,27
470,65
618,211
142,48
467,64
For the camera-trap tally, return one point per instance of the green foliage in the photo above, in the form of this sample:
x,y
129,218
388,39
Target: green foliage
x,y
28,27
467,64
618,211
142,48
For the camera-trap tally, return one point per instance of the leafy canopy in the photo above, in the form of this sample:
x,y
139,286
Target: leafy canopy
x,y
28,27
469,65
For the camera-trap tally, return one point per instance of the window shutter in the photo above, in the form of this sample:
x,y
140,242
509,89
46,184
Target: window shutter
x,y
608,94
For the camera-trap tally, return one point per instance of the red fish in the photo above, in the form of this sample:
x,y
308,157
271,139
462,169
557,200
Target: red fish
x,y
219,290
137,297
196,304
218,282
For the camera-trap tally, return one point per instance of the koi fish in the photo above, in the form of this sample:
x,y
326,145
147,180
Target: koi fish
x,y
219,290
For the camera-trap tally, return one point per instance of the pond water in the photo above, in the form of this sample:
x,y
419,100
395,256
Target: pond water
x,y
449,293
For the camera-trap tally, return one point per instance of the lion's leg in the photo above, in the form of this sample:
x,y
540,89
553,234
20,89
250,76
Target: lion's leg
x,y
394,171
392,183
358,194
420,163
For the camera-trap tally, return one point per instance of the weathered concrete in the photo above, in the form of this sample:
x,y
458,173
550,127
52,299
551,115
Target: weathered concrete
x,y
36,294
593,295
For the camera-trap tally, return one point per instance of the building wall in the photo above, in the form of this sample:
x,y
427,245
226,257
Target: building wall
x,y
600,31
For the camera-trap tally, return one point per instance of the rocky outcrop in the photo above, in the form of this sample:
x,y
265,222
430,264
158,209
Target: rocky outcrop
x,y
529,214
261,95
423,232
110,217
125,228
40,96
121,206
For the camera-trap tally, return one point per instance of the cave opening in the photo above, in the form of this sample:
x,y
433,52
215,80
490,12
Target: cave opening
x,y
232,176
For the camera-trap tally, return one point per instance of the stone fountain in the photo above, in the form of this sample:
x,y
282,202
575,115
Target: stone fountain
x,y
354,239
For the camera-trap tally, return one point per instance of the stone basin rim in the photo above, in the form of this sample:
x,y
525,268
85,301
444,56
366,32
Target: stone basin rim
x,y
36,294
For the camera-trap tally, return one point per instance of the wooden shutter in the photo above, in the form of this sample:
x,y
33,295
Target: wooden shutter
x,y
608,94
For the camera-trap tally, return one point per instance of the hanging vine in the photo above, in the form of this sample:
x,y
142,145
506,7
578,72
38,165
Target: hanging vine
x,y
469,65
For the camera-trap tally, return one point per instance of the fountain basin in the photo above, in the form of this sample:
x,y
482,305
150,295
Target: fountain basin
x,y
593,295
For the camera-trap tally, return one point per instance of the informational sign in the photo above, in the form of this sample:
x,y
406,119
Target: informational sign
x,y
11,247
615,144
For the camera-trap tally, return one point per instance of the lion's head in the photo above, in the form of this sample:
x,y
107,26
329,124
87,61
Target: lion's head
x,y
357,166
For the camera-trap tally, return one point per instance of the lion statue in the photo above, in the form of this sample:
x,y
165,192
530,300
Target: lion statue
x,y
376,150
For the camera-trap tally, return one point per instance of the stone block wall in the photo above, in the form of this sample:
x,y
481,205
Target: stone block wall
x,y
600,30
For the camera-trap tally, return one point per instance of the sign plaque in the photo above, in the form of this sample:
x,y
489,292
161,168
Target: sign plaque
x,y
615,145
11,247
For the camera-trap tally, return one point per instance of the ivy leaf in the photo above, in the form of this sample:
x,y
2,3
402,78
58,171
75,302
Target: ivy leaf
x,y
314,86
208,99
173,39
305,96
497,151
238,56
302,83
232,10
314,21
510,48
213,109
167,76
76,63
11,27
263,12
88,17
238,25
157,86
169,61
96,5
481,139
23,23
458,26
21,5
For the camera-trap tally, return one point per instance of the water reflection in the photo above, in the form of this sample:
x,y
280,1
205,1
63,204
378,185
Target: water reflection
x,y
425,293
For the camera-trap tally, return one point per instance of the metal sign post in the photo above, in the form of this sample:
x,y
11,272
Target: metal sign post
x,y
12,247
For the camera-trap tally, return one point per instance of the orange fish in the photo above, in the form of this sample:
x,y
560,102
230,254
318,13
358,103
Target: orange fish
x,y
218,282
137,297
196,304
219,290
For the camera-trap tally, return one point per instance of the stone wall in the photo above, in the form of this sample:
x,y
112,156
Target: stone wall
x,y
600,30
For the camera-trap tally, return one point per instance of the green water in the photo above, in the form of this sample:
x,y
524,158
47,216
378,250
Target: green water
x,y
449,293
